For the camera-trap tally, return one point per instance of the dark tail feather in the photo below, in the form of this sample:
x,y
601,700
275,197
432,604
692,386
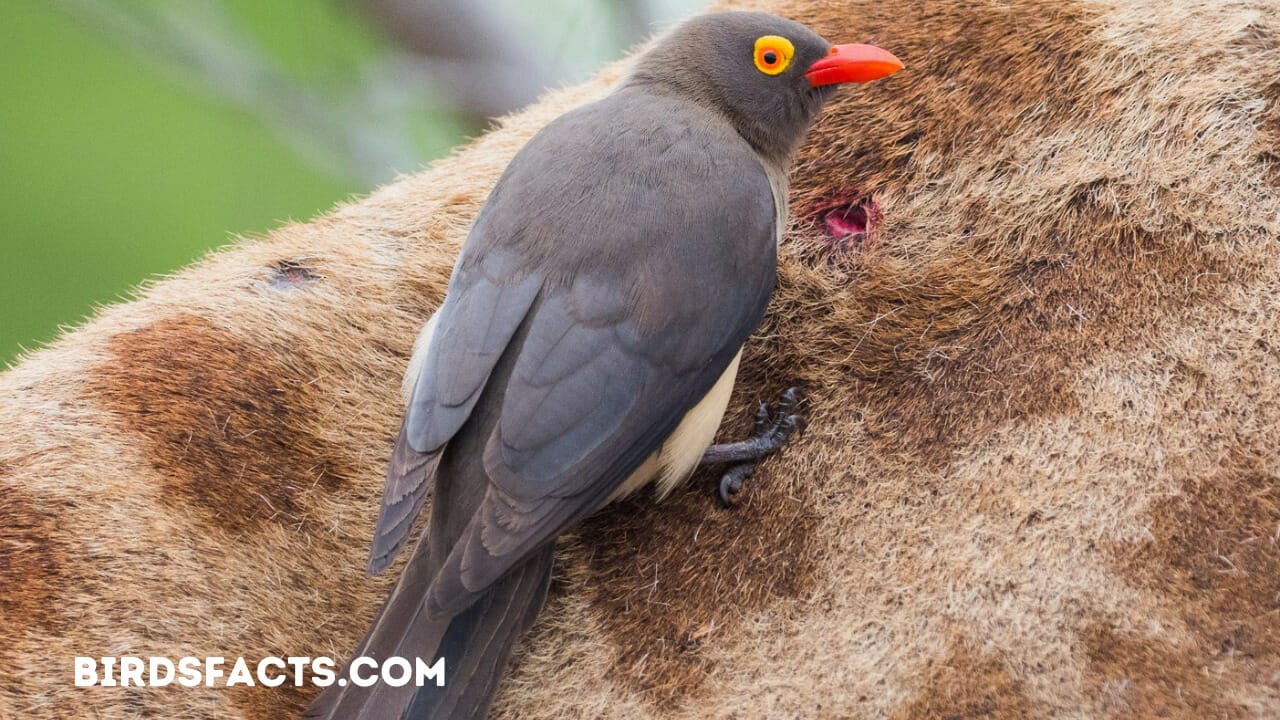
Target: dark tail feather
x,y
479,642
401,629
476,644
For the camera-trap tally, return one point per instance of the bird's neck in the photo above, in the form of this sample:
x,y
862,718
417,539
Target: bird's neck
x,y
774,148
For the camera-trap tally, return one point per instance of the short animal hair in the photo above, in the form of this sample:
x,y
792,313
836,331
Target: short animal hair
x,y
1031,288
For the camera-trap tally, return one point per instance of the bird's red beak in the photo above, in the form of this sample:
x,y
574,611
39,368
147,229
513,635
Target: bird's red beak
x,y
853,63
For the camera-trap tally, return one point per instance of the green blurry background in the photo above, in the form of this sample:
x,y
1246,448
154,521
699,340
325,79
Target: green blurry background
x,y
137,134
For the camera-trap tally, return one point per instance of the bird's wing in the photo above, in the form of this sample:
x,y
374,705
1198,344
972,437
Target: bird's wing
x,y
576,420
485,304
609,361
487,300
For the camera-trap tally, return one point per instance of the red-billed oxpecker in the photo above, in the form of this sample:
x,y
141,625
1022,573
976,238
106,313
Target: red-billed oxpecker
x,y
589,340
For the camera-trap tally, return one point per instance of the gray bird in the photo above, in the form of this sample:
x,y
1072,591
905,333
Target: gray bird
x,y
589,339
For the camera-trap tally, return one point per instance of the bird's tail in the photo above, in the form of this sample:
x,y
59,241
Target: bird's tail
x,y
475,645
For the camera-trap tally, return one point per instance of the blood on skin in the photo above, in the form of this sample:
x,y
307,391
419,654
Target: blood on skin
x,y
849,223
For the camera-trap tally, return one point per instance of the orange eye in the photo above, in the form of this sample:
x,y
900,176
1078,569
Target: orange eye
x,y
773,54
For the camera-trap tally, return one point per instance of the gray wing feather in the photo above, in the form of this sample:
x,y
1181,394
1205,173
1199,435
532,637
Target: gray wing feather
x,y
478,318
408,483
482,310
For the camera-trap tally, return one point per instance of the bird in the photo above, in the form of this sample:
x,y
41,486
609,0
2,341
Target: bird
x,y
589,339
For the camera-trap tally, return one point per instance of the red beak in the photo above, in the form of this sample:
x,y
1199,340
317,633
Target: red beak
x,y
853,63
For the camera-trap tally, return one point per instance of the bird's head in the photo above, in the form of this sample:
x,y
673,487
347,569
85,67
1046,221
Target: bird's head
x,y
767,74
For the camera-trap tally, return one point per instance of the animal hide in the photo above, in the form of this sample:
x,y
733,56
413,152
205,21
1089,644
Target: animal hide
x,y
1032,288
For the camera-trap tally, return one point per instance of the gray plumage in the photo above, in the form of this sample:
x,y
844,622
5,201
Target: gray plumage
x,y
612,276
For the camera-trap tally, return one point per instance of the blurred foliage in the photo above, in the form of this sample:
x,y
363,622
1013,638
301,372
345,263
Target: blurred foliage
x,y
116,164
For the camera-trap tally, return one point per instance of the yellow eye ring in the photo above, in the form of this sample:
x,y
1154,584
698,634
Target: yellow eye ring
x,y
773,54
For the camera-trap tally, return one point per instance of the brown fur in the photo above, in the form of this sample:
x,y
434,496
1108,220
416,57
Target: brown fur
x,y
665,578
1142,678
31,566
967,686
1044,392
201,398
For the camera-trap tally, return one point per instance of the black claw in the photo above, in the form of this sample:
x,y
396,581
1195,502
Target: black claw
x,y
788,402
763,416
772,428
731,482
790,420
789,398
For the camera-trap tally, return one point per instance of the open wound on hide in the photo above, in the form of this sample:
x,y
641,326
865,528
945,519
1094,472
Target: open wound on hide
x,y
288,274
847,225
841,226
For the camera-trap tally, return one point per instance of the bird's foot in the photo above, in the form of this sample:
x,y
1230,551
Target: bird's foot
x,y
773,427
